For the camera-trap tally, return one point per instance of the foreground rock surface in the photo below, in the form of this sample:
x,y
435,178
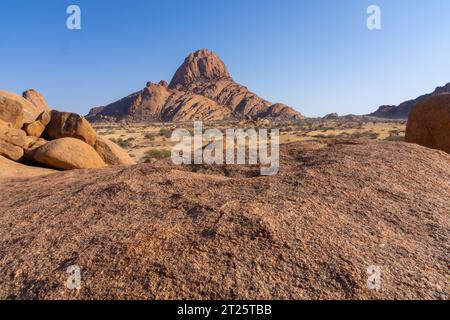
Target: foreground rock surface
x,y
429,123
155,231
68,154
13,170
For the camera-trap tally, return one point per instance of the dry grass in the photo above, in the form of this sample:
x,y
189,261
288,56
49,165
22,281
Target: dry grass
x,y
142,140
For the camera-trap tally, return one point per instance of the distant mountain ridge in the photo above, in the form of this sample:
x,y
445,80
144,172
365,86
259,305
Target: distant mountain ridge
x,y
201,89
402,110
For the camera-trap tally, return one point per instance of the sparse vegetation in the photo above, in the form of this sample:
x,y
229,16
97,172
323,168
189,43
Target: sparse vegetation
x,y
156,154
165,132
142,138
150,136
395,138
123,143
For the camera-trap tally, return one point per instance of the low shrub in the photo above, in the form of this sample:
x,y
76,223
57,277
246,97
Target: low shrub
x,y
156,154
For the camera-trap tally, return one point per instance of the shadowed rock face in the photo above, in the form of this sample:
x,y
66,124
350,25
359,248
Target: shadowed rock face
x,y
157,231
402,110
429,123
201,89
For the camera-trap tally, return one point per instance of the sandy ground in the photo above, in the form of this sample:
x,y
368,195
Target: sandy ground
x,y
139,141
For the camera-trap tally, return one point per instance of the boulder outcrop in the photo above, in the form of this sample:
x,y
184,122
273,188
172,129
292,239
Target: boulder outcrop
x,y
25,124
10,151
111,153
37,127
30,111
11,112
36,99
68,154
15,137
429,123
67,124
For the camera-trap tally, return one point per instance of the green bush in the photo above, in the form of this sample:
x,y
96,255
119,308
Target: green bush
x,y
125,144
395,138
357,134
165,133
150,136
156,154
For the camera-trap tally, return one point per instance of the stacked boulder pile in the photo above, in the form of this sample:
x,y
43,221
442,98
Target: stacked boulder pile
x,y
33,134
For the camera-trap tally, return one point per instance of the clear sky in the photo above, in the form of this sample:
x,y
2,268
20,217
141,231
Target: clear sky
x,y
317,56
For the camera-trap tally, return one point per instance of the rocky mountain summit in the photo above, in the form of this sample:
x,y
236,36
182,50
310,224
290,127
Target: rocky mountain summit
x,y
201,89
402,111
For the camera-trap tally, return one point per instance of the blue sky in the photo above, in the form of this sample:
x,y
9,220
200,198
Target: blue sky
x,y
317,56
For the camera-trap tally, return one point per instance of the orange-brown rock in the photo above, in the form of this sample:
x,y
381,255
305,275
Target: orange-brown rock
x,y
429,123
12,170
37,100
33,146
36,143
11,112
30,111
67,154
37,127
71,125
34,129
16,137
201,89
111,153
10,151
